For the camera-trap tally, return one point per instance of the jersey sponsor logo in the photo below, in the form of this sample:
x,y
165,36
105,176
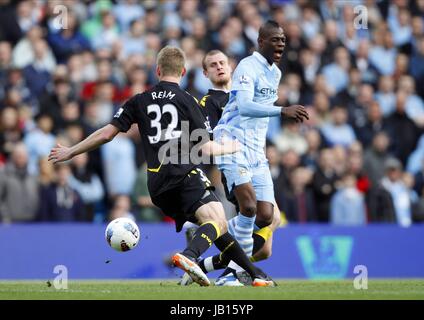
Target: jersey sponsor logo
x,y
244,79
118,113
268,91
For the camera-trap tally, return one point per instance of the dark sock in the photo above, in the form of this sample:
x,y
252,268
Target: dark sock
x,y
227,271
232,250
258,242
219,261
203,238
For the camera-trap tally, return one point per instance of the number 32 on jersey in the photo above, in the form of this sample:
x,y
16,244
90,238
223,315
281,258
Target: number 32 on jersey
x,y
163,134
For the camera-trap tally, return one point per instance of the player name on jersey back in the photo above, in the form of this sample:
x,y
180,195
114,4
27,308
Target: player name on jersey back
x,y
163,95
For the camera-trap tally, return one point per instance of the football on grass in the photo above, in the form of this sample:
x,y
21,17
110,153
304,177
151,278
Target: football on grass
x,y
122,234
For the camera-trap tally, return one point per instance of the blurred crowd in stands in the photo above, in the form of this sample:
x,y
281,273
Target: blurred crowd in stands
x,y
358,160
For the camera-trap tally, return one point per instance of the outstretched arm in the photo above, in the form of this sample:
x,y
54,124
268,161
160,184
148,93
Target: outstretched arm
x,y
105,134
249,108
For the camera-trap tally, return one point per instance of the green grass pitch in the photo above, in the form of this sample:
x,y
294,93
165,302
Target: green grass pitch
x,y
169,290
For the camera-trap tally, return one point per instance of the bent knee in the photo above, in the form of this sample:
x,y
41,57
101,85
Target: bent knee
x,y
276,221
249,209
267,253
264,220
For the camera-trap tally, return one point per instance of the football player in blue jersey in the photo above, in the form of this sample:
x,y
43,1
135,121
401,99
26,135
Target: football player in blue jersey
x,y
245,117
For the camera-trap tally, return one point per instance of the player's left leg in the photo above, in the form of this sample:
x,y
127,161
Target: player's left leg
x,y
262,246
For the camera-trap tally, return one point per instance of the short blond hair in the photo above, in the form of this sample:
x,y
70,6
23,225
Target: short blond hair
x,y
210,53
171,61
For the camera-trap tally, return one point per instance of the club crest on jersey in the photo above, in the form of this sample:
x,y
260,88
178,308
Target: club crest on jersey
x,y
118,113
242,171
244,79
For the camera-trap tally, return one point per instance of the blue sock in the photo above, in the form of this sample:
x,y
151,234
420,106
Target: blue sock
x,y
232,225
243,232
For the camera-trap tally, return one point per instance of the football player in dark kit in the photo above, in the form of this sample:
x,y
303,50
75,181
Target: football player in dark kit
x,y
179,188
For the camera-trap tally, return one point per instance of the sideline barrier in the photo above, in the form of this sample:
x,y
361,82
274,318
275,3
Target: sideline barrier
x,y
32,251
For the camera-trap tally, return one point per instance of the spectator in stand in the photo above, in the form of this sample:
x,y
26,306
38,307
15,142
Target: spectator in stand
x,y
24,51
338,132
394,184
401,27
120,170
414,105
51,103
321,107
336,73
133,42
355,166
374,156
289,161
359,108
399,122
347,96
310,65
416,158
383,54
374,124
298,202
126,12
290,61
5,65
68,40
18,189
416,65
310,158
368,73
324,184
39,142
291,138
37,74
87,184
347,206
10,132
386,96
59,202
46,172
121,208
108,33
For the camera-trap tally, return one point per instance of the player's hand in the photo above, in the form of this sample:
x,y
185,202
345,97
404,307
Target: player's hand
x,y
60,153
296,112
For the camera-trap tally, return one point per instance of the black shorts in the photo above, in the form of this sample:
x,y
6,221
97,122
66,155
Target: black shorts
x,y
181,202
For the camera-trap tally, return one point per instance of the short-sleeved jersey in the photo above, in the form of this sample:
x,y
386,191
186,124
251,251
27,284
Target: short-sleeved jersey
x,y
159,113
252,74
212,105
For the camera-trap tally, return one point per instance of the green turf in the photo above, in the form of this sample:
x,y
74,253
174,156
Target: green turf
x,y
158,290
